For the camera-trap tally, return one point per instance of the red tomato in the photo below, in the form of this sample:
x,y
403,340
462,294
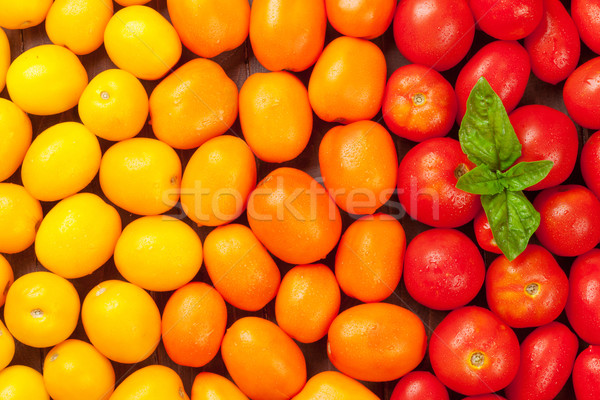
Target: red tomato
x,y
419,385
586,14
586,374
473,352
583,304
507,19
504,64
529,291
547,357
483,233
554,46
546,134
427,179
436,33
581,94
485,397
443,269
590,163
419,103
570,219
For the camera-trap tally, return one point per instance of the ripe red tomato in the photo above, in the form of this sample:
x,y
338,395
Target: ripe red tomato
x,y
586,14
443,269
436,33
590,163
419,385
427,179
483,233
419,103
485,397
554,45
586,374
581,94
504,64
546,134
547,357
473,352
569,219
507,19
583,304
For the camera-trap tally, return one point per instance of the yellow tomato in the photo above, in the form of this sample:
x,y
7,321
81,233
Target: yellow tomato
x,y
75,370
77,236
23,14
78,24
114,105
61,161
19,382
154,382
15,136
7,346
122,321
7,277
4,57
46,80
141,175
141,41
334,385
20,214
126,3
209,386
42,309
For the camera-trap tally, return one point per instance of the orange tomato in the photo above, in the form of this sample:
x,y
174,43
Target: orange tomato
x,y
376,342
207,27
307,302
294,217
365,19
254,347
287,34
241,269
370,257
359,166
348,81
209,386
193,324
275,115
334,385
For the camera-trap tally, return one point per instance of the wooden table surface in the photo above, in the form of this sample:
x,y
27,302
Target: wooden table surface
x,y
239,64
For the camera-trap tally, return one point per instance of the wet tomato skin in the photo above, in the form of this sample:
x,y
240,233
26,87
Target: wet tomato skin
x,y
586,374
586,15
547,357
504,64
583,304
418,385
590,163
483,233
507,19
581,94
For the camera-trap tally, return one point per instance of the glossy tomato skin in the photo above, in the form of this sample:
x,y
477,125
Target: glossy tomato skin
x,y
586,15
473,352
547,357
529,291
586,374
583,304
483,233
546,134
485,397
419,103
507,19
554,45
504,64
419,385
569,219
435,33
443,269
427,179
590,163
581,94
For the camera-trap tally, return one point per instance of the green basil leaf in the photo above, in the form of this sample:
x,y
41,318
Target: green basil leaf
x,y
480,180
486,135
512,219
525,174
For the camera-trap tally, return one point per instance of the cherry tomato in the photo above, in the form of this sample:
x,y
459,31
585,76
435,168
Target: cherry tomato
x,y
443,269
583,304
569,219
473,352
581,94
586,374
419,103
504,64
590,163
507,19
427,179
586,14
483,233
436,33
419,385
546,134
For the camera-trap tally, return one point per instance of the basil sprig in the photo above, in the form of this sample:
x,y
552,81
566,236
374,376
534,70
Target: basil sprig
x,y
489,140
